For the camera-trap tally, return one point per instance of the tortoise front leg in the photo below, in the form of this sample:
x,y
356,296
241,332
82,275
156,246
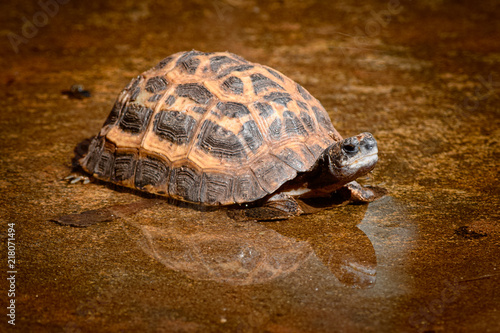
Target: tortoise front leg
x,y
362,194
284,203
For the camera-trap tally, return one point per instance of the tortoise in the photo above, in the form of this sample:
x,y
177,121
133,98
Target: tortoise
x,y
215,129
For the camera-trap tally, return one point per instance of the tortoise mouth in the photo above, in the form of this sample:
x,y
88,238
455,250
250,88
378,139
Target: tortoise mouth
x,y
369,159
357,168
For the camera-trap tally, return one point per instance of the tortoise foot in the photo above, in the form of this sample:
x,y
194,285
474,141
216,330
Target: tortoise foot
x,y
277,207
364,194
76,178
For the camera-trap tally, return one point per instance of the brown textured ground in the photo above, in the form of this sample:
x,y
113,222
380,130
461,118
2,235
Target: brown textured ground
x,y
424,80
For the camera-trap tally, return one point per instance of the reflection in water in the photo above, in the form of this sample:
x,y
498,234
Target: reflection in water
x,y
210,247
235,254
350,255
392,230
338,242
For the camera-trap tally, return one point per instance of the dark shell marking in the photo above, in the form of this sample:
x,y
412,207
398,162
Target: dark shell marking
x,y
210,128
151,171
261,83
233,85
174,126
124,167
156,84
188,62
194,91
135,118
220,142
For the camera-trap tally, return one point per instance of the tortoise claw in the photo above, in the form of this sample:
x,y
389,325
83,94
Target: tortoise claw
x,y
73,179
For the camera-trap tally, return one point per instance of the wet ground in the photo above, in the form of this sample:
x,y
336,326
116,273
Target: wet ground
x,y
422,76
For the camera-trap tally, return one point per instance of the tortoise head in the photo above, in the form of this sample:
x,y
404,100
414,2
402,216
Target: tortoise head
x,y
352,157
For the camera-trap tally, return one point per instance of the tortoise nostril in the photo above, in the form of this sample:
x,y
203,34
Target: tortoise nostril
x,y
350,148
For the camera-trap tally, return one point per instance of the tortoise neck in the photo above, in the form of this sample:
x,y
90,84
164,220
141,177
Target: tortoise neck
x,y
318,179
321,175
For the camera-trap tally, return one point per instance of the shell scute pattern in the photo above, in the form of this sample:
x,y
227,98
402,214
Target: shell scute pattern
x,y
293,126
262,83
233,85
272,172
216,62
194,91
124,166
281,98
216,187
156,84
189,62
104,166
174,126
185,184
220,142
295,155
246,188
135,118
210,128
151,172
231,110
252,135
170,100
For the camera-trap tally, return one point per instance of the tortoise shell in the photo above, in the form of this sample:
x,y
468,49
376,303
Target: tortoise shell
x,y
210,128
